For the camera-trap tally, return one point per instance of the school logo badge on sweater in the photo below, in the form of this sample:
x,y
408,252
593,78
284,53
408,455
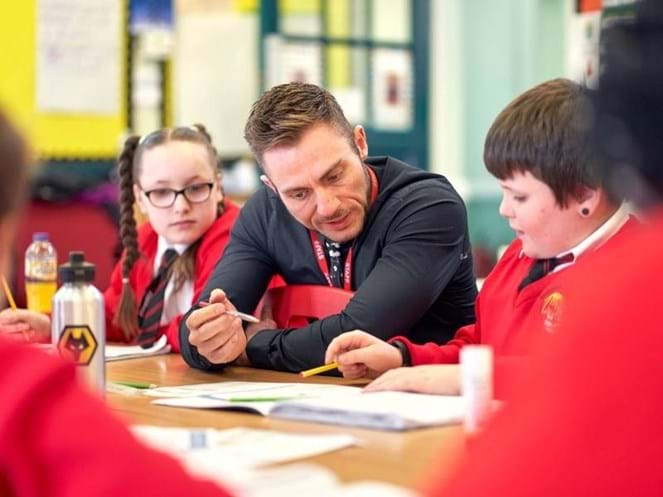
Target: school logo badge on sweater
x,y
77,344
551,310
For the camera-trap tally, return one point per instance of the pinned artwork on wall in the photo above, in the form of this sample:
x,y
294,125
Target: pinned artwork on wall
x,y
392,89
148,15
583,52
78,56
290,61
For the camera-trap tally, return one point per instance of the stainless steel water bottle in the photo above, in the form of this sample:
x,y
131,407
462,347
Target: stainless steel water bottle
x,y
78,325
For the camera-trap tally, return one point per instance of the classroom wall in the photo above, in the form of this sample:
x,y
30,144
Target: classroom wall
x,y
483,54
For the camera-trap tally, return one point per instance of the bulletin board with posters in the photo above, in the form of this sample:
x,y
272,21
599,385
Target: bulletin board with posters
x,y
586,23
64,81
372,55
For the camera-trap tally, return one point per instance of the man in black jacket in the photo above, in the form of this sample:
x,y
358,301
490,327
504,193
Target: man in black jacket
x,y
331,216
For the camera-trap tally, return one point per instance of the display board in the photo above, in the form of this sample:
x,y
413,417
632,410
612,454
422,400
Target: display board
x,y
70,106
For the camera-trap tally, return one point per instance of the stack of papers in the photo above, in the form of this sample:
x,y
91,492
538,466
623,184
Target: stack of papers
x,y
333,404
119,352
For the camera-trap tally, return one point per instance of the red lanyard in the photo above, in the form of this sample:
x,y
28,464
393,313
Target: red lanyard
x,y
319,251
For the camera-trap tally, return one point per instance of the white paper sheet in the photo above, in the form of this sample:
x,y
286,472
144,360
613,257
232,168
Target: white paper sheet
x,y
242,447
118,352
78,56
332,404
226,390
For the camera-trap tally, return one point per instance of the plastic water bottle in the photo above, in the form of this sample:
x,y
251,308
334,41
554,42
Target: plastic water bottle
x,y
41,273
476,383
78,324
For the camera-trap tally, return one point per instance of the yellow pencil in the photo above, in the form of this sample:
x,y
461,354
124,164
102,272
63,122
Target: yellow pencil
x,y
320,369
8,293
12,302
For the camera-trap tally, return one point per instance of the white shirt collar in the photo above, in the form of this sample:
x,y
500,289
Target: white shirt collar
x,y
175,303
601,235
597,238
162,246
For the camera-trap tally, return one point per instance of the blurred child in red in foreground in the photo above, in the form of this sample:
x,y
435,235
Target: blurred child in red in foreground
x,y
57,440
587,419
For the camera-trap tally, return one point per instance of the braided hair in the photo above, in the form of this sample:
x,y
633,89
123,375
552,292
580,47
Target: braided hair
x,y
129,168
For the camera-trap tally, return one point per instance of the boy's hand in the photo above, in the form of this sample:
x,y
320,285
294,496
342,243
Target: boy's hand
x,y
440,379
360,354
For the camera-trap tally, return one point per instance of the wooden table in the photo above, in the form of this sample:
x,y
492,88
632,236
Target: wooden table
x,y
401,458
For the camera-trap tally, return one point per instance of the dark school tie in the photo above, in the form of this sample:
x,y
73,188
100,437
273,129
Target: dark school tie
x,y
541,267
151,309
334,260
336,255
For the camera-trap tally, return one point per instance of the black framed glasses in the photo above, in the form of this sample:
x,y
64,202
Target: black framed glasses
x,y
163,198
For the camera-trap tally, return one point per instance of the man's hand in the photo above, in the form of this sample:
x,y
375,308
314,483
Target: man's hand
x,y
266,319
440,379
22,324
219,337
266,323
360,354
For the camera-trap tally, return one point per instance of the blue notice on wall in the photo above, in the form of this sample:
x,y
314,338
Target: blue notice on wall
x,y
149,15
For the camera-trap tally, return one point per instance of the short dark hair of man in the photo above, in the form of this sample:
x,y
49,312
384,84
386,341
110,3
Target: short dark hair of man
x,y
285,112
546,132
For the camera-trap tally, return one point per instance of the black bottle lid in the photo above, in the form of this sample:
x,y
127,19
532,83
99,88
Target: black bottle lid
x,y
77,270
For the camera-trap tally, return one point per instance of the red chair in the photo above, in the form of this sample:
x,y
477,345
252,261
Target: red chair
x,y
295,306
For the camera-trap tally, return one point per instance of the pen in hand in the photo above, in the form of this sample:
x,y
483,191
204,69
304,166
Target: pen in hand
x,y
244,317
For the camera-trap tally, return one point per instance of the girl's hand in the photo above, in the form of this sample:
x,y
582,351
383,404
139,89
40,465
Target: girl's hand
x,y
23,323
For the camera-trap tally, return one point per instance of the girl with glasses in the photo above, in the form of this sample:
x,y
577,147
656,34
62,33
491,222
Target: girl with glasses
x,y
173,177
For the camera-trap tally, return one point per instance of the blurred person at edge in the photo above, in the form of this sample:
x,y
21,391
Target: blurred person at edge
x,y
586,419
56,439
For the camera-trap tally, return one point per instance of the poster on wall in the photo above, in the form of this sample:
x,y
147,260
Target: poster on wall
x,y
149,15
78,59
583,56
583,52
392,89
287,61
153,22
221,94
